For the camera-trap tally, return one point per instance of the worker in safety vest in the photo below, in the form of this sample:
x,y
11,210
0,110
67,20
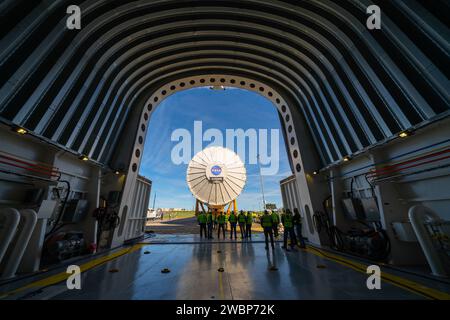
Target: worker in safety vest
x,y
216,214
267,224
202,222
298,228
241,220
209,223
221,225
288,223
248,225
276,222
232,219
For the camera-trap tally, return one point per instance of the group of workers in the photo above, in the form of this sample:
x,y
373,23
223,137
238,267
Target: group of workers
x,y
209,222
270,222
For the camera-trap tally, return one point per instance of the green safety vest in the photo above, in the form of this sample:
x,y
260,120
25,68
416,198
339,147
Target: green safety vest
x,y
275,218
221,219
202,218
232,218
210,218
287,221
249,219
241,218
266,221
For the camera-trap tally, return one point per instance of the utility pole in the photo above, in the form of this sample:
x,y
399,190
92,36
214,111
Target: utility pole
x,y
154,200
262,184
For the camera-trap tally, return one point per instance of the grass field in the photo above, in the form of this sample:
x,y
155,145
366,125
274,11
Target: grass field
x,y
178,215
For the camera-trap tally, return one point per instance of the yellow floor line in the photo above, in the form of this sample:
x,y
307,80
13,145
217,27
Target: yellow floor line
x,y
62,276
221,293
403,283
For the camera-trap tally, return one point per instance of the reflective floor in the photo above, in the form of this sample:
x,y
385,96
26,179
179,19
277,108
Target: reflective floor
x,y
249,272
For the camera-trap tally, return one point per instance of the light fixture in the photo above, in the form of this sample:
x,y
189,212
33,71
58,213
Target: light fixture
x,y
117,172
315,173
20,130
84,158
403,134
346,159
217,88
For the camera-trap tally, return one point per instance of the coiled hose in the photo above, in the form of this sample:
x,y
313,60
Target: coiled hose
x,y
337,238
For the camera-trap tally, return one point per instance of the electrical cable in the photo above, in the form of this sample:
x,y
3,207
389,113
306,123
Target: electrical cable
x,y
317,221
412,166
47,168
51,174
336,239
364,223
372,188
384,173
413,160
375,239
61,211
393,158
351,187
27,176
413,173
47,180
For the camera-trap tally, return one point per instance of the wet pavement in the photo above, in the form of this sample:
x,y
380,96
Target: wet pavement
x,y
211,269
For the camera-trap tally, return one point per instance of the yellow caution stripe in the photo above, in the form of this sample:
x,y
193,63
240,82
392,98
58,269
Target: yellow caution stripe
x,y
221,292
403,283
62,276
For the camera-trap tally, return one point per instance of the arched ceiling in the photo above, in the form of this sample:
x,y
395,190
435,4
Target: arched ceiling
x,y
354,87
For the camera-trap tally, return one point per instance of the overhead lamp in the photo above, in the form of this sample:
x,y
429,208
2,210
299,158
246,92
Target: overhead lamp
x,y
117,172
20,130
84,158
403,134
217,88
346,159
315,173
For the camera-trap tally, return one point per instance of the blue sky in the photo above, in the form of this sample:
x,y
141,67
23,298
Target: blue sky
x,y
228,109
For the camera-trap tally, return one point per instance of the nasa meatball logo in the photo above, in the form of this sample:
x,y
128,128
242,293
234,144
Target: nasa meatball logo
x,y
216,170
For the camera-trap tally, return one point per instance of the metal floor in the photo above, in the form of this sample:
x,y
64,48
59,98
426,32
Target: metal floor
x,y
194,274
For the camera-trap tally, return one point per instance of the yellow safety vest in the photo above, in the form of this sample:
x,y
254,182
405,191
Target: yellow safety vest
x,y
287,221
266,221
202,218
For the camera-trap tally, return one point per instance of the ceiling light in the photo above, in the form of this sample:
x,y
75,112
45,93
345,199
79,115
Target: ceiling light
x,y
403,134
84,158
21,131
346,158
217,88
